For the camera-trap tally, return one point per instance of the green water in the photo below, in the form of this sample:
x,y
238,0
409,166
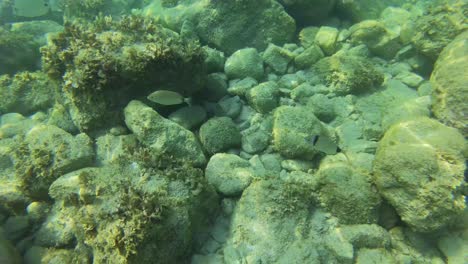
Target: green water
x,y
236,131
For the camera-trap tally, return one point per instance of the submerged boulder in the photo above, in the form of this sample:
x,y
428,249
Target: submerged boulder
x,y
419,169
228,25
164,137
449,82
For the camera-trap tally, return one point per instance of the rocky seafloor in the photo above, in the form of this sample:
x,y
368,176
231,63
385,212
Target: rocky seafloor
x,y
315,131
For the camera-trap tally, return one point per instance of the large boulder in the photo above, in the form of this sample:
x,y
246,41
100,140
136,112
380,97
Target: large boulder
x,y
26,93
103,64
438,27
449,82
228,25
419,169
165,138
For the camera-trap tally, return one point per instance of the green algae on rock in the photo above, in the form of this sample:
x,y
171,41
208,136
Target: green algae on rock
x,y
165,138
449,82
104,64
26,93
419,170
346,74
228,25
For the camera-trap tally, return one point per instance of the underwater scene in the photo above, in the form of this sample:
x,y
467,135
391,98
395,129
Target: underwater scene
x,y
233,131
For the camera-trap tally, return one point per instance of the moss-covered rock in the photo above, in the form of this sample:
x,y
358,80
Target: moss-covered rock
x,y
244,63
448,80
228,25
436,29
264,97
104,64
229,173
277,58
218,134
419,169
46,153
376,37
166,139
293,132
135,213
26,93
18,51
346,74
347,193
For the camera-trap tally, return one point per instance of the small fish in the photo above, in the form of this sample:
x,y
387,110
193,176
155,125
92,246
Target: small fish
x,y
166,97
31,8
325,144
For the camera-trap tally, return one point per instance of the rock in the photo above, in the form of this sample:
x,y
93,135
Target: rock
x,y
366,236
26,93
189,116
303,92
8,253
37,211
297,165
164,137
410,78
411,109
49,152
414,247
264,97
215,88
347,193
228,26
255,139
229,106
434,30
244,63
307,36
60,117
322,107
277,58
214,60
308,57
374,255
16,227
293,130
56,231
240,87
326,39
348,74
218,134
292,80
376,37
111,149
449,89
307,12
20,43
228,173
419,168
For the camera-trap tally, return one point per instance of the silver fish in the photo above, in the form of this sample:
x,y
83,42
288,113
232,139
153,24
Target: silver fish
x,y
325,144
31,8
166,97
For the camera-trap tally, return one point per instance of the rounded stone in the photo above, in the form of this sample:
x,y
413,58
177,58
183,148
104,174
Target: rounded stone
x,y
244,63
218,134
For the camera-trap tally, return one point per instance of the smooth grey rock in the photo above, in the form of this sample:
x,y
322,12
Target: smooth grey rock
x,y
164,137
228,173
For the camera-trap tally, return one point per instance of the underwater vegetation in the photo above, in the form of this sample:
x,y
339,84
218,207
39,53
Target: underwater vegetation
x,y
206,131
